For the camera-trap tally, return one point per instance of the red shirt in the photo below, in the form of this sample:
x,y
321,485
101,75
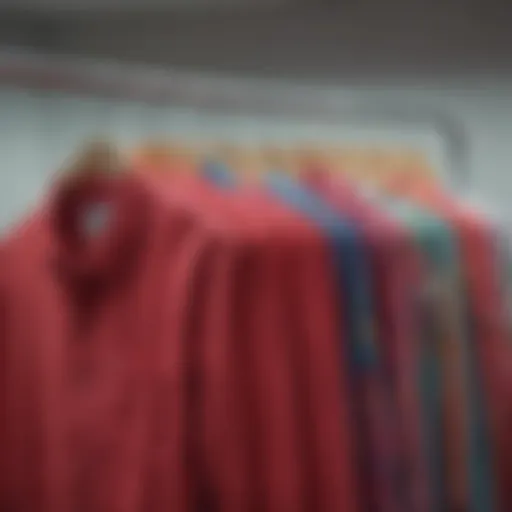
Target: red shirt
x,y
297,396
311,323
95,360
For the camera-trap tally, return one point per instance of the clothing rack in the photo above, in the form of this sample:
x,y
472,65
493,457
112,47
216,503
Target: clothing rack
x,y
375,371
257,98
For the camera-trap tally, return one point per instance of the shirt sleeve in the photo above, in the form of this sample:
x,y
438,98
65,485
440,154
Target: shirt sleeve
x,y
224,407
172,479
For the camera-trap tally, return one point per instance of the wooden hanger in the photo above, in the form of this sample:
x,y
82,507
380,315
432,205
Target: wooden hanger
x,y
277,158
167,156
242,159
97,158
412,171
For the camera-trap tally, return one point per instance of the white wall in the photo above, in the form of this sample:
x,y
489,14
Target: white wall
x,y
39,130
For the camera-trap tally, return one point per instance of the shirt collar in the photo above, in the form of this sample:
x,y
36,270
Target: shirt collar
x,y
99,225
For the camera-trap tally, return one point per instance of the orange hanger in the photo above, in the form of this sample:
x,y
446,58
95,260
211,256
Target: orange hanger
x,y
242,159
306,156
337,160
167,157
412,175
278,159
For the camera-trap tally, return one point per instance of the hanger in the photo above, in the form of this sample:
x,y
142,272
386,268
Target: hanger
x,y
245,160
380,168
305,156
277,158
97,158
166,156
413,176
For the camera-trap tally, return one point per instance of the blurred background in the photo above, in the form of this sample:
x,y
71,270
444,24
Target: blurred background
x,y
435,73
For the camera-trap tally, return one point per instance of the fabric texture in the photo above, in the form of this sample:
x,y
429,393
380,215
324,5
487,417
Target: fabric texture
x,y
377,460
177,339
300,305
490,333
394,269
451,345
100,367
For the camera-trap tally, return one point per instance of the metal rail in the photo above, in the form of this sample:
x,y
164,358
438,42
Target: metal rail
x,y
235,96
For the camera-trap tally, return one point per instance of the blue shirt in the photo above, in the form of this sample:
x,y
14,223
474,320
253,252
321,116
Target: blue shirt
x,y
218,174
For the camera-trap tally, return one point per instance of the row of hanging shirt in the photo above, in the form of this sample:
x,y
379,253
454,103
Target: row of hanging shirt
x,y
179,338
